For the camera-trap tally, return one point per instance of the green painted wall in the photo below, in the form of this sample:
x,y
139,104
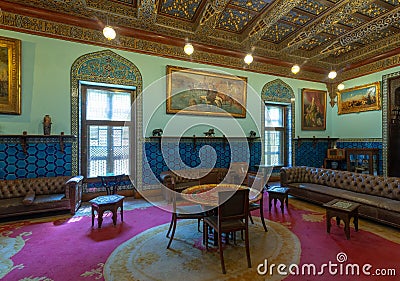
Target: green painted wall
x,y
362,124
46,65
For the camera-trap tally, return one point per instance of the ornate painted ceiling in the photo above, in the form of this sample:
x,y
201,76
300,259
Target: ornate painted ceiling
x,y
351,36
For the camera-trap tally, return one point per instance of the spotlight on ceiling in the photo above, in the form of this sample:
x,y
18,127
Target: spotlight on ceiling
x,y
188,49
295,69
340,86
109,32
332,74
248,59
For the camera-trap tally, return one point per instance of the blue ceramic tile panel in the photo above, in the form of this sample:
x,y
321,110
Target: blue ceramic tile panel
x,y
215,154
310,154
40,160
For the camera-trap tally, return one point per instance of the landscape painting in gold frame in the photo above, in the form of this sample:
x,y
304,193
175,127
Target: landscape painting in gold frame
x,y
10,76
200,92
359,99
313,110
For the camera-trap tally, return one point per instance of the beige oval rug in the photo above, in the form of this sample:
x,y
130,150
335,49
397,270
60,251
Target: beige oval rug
x,y
145,257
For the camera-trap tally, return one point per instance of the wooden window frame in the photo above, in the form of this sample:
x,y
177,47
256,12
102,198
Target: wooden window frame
x,y
283,129
109,123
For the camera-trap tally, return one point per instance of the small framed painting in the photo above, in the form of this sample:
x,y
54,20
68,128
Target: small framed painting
x,y
10,76
313,110
358,99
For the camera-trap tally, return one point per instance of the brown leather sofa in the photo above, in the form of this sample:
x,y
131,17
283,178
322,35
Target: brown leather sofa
x,y
379,197
35,195
187,178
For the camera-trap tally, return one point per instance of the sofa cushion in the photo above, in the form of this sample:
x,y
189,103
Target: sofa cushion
x,y
48,198
11,202
29,197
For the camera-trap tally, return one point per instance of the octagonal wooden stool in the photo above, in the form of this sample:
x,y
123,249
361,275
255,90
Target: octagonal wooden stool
x,y
278,193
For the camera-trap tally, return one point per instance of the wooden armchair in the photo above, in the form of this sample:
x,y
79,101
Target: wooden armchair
x,y
258,182
180,212
232,216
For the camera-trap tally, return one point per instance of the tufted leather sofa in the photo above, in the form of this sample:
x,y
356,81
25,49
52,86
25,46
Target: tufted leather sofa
x,y
181,179
34,195
186,178
379,197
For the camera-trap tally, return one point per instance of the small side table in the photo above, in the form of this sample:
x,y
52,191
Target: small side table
x,y
278,193
342,210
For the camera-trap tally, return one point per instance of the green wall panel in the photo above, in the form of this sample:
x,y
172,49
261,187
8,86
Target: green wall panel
x,y
46,65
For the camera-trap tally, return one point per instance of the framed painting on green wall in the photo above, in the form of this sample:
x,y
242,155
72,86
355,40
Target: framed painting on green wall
x,y
10,76
199,92
313,110
358,99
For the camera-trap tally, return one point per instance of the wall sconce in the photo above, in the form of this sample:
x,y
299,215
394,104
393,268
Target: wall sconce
x,y
295,69
248,59
109,32
188,49
332,74
340,86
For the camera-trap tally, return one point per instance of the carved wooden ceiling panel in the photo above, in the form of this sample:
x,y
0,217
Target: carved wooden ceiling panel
x,y
319,34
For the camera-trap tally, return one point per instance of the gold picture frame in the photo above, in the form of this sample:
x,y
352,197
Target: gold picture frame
x,y
10,76
359,99
313,110
199,92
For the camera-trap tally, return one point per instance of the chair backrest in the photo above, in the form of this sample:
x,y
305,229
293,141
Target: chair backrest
x,y
238,172
111,183
240,167
233,205
257,181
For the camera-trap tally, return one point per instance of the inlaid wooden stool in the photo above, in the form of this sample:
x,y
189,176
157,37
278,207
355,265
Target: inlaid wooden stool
x,y
278,193
110,202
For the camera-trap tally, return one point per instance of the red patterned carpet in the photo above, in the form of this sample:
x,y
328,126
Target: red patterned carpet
x,y
67,248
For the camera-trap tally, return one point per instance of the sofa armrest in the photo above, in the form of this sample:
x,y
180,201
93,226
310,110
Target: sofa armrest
x,y
167,179
73,192
283,176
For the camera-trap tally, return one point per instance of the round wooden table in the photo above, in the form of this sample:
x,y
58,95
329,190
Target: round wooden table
x,y
207,194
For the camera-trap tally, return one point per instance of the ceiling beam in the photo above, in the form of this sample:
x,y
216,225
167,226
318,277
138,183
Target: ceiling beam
x,y
272,15
208,20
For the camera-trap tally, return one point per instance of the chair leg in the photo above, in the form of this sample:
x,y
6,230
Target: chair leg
x,y
251,219
221,252
198,225
262,215
170,226
205,234
173,230
247,248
